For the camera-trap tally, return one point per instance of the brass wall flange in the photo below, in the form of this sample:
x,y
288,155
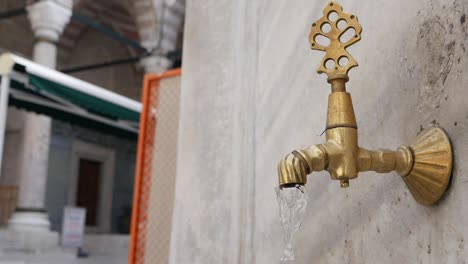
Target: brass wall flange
x,y
425,165
430,175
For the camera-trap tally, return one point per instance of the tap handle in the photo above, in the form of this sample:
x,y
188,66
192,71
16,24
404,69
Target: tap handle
x,y
333,33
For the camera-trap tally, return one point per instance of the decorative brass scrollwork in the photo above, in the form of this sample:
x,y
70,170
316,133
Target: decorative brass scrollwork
x,y
335,27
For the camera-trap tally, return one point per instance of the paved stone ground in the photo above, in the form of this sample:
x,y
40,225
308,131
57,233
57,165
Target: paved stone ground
x,y
42,248
63,258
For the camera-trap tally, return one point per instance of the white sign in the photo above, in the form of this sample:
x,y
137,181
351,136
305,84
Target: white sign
x,y
73,226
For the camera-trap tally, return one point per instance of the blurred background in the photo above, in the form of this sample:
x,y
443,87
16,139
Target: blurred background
x,y
60,148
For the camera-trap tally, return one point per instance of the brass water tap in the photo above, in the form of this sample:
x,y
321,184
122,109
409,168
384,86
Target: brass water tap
x,y
425,165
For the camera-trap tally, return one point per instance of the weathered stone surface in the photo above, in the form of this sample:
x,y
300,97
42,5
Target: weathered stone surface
x,y
250,95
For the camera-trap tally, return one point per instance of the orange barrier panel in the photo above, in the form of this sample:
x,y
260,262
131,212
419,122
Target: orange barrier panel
x,y
144,167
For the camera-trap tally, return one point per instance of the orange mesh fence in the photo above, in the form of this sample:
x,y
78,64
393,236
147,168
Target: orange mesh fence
x,y
155,171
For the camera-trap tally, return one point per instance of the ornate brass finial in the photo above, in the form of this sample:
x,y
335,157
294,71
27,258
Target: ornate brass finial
x,y
333,33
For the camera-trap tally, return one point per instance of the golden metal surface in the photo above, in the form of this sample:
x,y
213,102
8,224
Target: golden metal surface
x,y
291,171
336,26
340,111
295,167
425,165
430,175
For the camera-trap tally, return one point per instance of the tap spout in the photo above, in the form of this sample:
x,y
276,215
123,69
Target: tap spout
x,y
295,167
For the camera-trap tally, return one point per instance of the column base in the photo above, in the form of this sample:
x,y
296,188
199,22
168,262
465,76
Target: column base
x,y
156,64
29,221
30,242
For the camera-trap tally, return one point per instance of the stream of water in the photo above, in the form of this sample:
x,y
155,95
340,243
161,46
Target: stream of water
x,y
292,205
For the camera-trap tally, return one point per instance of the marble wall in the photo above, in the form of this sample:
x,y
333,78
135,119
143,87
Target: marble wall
x,y
250,95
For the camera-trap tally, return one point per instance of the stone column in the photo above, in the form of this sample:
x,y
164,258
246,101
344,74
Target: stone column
x,y
168,32
48,19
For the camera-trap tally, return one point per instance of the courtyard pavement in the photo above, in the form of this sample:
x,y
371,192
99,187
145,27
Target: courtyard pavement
x,y
18,247
63,257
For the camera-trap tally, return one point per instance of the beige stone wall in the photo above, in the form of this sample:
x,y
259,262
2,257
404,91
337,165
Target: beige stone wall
x,y
16,32
94,47
250,95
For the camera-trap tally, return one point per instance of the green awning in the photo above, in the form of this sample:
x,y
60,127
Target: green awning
x,y
49,92
92,104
